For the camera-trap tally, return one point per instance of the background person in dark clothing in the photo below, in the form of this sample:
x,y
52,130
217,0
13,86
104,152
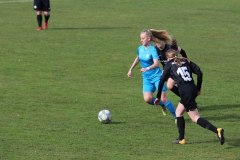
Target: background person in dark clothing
x,y
42,6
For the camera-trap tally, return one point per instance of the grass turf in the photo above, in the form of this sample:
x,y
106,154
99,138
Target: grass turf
x,y
54,82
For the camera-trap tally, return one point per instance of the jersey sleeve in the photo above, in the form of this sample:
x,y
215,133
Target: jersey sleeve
x,y
154,53
196,70
137,52
183,53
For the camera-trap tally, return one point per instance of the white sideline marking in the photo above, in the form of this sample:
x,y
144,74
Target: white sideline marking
x,y
15,1
18,1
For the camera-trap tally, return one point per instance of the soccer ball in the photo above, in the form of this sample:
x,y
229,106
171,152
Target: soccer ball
x,y
105,116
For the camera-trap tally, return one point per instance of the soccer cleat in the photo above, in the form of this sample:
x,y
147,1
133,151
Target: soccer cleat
x,y
45,25
177,141
164,110
39,28
220,135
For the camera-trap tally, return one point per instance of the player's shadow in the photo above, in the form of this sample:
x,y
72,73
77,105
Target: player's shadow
x,y
86,28
227,114
233,143
203,141
117,122
223,113
217,107
229,143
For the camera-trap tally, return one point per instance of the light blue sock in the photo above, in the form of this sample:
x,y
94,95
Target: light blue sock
x,y
171,108
160,103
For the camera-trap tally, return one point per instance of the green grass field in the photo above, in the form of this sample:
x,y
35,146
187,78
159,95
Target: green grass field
x,y
54,82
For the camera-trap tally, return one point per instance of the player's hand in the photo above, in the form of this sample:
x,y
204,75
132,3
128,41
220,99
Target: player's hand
x,y
129,74
144,69
156,102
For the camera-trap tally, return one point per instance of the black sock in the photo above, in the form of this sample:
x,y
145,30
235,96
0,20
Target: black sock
x,y
207,125
175,90
47,17
39,20
181,127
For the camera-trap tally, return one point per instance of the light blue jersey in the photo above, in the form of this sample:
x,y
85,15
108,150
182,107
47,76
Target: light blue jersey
x,y
146,57
151,78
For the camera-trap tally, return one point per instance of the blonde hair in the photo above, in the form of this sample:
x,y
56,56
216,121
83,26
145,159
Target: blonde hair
x,y
171,53
147,32
159,36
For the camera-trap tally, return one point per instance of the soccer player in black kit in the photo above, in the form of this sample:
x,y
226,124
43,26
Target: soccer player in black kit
x,y
42,6
162,46
180,69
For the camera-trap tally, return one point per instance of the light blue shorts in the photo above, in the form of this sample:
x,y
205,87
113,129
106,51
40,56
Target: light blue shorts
x,y
152,86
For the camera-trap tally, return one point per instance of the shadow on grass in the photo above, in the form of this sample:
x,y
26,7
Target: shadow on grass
x,y
226,110
117,122
87,28
218,107
222,117
229,143
233,143
205,141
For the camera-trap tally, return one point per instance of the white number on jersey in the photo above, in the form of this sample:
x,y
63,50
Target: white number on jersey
x,y
184,73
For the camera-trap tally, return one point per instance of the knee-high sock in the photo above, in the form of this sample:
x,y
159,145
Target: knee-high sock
x,y
171,108
39,20
181,127
160,103
175,90
47,17
207,125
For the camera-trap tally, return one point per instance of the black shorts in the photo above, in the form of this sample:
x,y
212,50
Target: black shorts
x,y
188,94
41,5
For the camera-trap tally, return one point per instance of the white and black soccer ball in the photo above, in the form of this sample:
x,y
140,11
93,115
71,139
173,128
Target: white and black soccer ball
x,y
105,116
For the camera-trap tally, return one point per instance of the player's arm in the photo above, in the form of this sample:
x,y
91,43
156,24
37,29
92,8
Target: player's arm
x,y
196,70
178,49
154,65
183,53
164,77
135,62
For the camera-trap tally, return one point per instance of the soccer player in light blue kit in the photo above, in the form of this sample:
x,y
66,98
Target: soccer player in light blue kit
x,y
151,72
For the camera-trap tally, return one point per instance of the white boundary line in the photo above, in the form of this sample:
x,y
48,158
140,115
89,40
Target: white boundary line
x,y
15,1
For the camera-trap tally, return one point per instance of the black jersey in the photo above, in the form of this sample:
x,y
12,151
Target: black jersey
x,y
180,74
162,53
